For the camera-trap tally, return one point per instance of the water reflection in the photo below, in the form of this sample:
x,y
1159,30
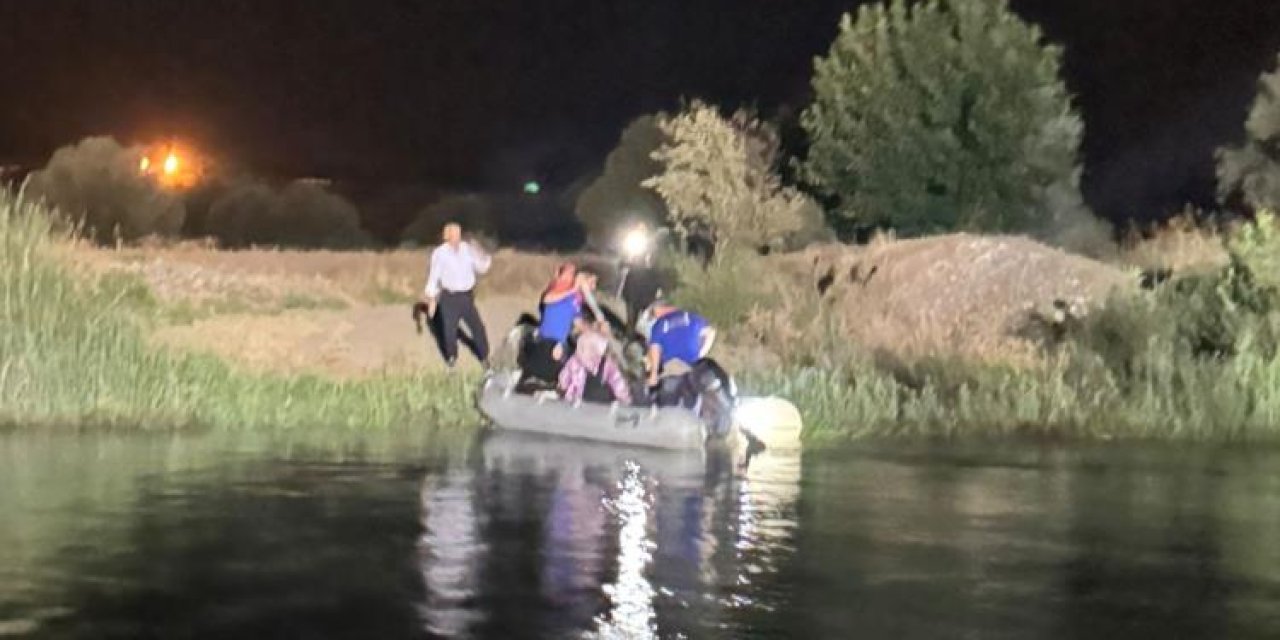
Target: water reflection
x,y
630,543
449,550
631,613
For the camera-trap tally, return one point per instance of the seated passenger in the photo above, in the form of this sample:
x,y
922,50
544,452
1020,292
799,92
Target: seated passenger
x,y
674,334
542,356
591,375
560,306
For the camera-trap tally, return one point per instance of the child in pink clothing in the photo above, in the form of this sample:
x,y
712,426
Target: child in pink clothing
x,y
591,375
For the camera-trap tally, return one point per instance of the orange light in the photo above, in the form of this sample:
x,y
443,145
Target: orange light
x,y
170,164
144,164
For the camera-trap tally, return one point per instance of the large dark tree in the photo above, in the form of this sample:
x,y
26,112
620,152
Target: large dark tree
x,y
943,114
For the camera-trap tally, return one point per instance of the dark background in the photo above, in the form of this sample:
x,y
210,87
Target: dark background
x,y
484,94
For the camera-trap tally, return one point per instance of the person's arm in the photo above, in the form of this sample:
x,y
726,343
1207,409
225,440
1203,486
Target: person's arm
x,y
602,322
652,360
431,291
480,261
706,339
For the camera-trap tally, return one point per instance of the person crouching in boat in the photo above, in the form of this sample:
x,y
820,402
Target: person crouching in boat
x,y
590,375
674,335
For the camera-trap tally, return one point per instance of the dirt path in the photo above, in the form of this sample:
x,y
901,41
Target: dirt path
x,y
354,342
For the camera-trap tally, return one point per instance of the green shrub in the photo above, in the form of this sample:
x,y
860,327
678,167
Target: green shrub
x,y
301,215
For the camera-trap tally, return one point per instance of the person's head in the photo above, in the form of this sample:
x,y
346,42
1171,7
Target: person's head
x,y
452,234
564,279
587,279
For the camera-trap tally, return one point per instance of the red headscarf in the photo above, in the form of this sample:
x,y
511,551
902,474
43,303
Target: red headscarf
x,y
563,280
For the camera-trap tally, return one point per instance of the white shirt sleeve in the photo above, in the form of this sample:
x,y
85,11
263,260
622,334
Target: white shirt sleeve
x,y
480,260
432,289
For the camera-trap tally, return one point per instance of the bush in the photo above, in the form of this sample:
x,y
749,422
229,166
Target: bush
x,y
617,197
1253,170
941,115
97,184
473,211
718,177
301,215
724,292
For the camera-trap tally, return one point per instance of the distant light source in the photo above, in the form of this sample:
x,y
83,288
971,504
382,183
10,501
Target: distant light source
x,y
144,164
170,164
635,243
532,187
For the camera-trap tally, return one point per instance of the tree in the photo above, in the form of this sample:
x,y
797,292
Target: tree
x,y
1253,169
617,197
473,211
939,115
301,215
97,183
718,178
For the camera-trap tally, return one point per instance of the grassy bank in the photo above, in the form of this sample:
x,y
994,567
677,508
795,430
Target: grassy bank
x,y
1194,359
72,354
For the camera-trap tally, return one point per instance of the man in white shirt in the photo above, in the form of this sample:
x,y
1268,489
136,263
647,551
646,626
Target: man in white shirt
x,y
451,279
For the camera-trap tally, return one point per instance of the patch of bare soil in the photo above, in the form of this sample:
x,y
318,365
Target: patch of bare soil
x,y
341,314
956,295
350,343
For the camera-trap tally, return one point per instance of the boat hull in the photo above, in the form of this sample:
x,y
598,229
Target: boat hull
x,y
659,428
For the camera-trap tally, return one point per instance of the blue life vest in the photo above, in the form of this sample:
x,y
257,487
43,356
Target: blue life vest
x,y
678,335
558,317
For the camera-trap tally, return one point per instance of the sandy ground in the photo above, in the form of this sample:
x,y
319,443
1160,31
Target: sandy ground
x,y
349,314
359,341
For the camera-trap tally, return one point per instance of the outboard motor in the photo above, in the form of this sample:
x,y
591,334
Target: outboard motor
x,y
707,389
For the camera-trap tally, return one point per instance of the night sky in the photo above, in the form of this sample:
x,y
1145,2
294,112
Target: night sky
x,y
484,93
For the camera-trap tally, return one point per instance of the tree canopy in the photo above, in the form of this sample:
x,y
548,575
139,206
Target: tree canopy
x,y
941,115
718,177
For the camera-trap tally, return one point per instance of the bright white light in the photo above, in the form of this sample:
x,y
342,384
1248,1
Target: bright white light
x,y
636,243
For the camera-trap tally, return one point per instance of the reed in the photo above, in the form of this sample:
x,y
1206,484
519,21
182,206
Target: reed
x,y
73,354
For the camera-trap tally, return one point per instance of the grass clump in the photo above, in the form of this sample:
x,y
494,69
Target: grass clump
x,y
72,353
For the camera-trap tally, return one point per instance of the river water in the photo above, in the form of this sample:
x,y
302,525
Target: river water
x,y
137,536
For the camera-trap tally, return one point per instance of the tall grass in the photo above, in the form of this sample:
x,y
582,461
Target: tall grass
x,y
72,354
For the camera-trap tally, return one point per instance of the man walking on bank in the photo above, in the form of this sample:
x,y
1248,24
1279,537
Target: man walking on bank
x,y
451,280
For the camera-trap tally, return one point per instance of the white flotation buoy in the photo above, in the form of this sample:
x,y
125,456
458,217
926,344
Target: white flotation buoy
x,y
774,421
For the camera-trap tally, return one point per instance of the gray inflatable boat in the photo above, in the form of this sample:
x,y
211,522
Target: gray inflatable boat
x,y
661,428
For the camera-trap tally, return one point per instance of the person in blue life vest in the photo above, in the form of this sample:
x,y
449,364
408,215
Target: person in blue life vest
x,y
674,335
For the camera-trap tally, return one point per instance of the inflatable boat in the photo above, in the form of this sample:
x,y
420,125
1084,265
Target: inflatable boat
x,y
658,427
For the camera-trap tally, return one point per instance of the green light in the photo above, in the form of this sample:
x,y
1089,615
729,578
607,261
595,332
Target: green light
x,y
532,187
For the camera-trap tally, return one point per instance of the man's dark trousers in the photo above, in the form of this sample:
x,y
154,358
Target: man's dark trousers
x,y
455,306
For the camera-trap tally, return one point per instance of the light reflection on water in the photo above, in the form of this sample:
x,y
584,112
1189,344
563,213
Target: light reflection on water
x,y
631,612
633,543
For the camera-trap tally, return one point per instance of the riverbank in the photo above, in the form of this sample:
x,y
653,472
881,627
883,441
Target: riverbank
x,y
949,336
76,354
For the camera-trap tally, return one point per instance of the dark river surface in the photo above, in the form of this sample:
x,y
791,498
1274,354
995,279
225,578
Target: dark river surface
x,y
401,537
